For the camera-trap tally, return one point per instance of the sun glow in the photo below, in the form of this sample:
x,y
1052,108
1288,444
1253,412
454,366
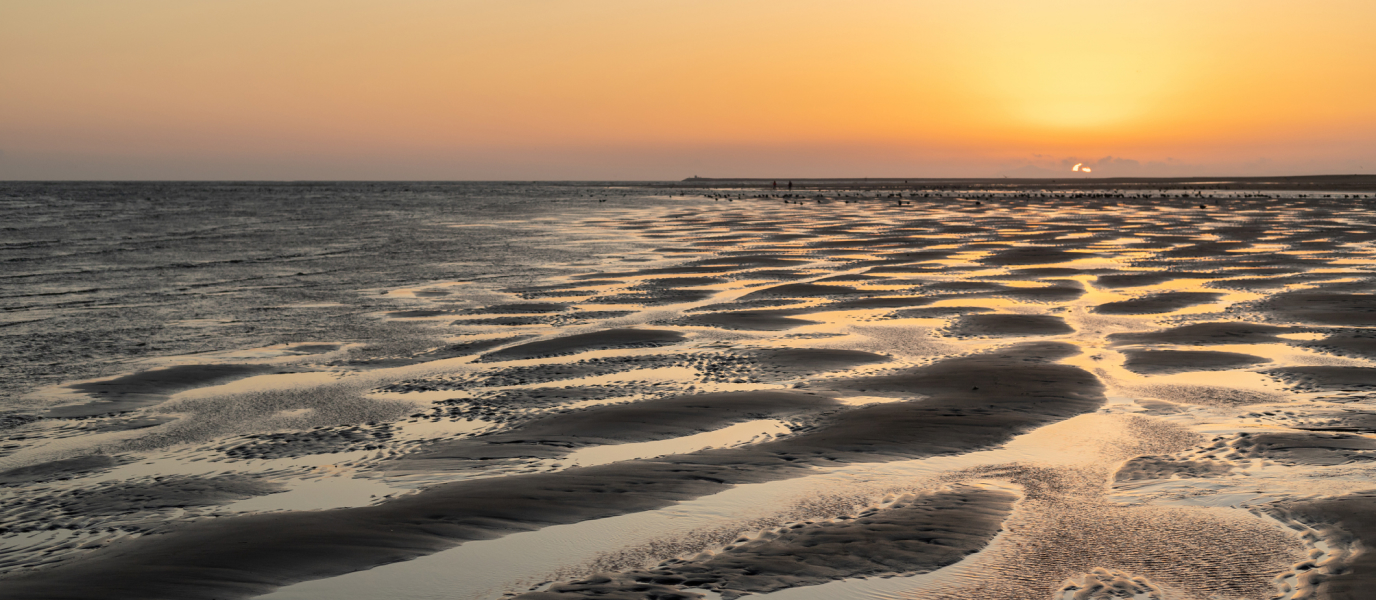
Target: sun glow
x,y
629,89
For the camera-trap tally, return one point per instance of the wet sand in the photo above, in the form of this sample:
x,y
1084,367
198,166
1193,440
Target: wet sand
x,y
913,534
123,394
1350,524
1002,391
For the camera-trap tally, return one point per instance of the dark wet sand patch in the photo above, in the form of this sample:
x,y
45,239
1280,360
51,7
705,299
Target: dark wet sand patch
x,y
580,281
775,274
512,321
1359,343
683,281
531,374
173,491
560,293
313,348
1267,268
1201,334
321,440
1051,293
1253,284
12,420
1033,255
853,278
644,421
1205,249
1351,524
1059,291
589,315
1323,308
920,268
147,388
519,308
1206,395
417,314
801,290
751,260
244,556
776,364
586,342
1009,325
975,399
57,469
715,243
1157,303
916,534
1154,362
746,304
826,252
548,396
1358,421
964,286
652,296
797,362
1322,449
475,346
750,320
508,405
1327,379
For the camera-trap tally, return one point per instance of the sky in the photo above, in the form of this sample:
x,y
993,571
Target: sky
x,y
667,89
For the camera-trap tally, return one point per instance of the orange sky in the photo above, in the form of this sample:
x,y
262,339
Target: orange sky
x,y
664,89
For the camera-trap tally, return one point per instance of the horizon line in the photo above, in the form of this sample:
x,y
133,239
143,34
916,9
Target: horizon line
x,y
695,178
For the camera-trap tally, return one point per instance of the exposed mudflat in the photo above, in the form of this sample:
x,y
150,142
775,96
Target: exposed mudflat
x,y
575,344
1003,325
1156,303
136,390
861,391
1349,525
1148,362
913,534
1205,334
750,320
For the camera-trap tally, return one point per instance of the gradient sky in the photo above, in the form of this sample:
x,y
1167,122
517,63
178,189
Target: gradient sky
x,y
661,89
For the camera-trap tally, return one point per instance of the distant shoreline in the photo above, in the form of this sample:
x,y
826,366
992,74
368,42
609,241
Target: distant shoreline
x,y
1314,182
1295,183
1068,178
